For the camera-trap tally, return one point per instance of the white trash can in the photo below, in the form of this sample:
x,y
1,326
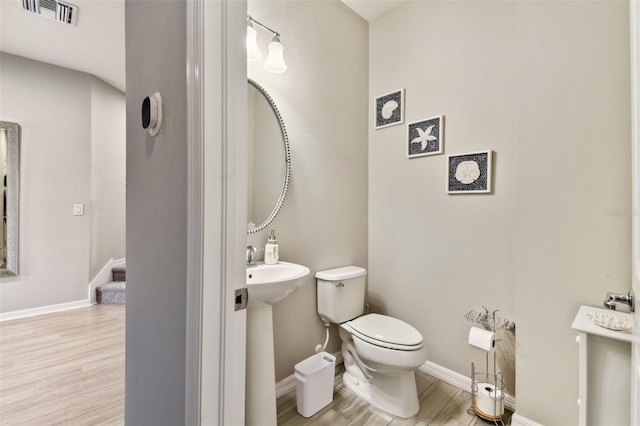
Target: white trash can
x,y
314,383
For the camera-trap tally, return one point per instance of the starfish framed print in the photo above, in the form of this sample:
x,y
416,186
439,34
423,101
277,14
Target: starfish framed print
x,y
425,137
469,173
389,109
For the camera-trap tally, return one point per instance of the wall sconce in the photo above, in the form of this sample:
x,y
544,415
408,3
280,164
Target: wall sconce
x,y
275,60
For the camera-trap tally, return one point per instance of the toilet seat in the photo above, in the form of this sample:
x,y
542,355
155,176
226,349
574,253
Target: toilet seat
x,y
385,331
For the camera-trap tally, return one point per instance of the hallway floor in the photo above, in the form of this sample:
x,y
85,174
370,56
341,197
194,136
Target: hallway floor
x,y
64,368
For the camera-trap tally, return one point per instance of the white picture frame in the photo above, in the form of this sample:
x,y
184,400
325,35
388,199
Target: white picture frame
x,y
425,137
470,173
388,109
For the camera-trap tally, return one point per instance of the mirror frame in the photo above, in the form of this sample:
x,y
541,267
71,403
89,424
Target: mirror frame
x,y
287,153
12,197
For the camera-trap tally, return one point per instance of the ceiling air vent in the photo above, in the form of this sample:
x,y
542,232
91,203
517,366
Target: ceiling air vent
x,y
54,9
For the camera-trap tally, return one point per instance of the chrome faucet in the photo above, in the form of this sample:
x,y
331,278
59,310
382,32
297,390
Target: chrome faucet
x,y
613,299
251,255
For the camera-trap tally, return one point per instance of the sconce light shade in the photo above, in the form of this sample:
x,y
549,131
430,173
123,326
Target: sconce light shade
x,y
275,59
253,52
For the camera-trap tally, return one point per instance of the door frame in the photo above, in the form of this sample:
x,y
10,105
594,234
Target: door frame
x,y
634,14
216,105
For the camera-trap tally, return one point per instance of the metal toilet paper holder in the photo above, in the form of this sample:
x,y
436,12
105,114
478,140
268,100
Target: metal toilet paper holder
x,y
487,387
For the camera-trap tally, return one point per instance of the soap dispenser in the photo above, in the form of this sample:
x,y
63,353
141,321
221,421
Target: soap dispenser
x,y
271,255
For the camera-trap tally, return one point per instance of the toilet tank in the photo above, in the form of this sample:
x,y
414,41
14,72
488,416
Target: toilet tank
x,y
341,293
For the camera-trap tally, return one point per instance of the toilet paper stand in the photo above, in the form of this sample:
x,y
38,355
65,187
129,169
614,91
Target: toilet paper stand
x,y
487,387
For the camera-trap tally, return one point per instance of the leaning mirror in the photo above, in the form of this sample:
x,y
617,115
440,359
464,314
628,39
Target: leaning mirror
x,y
10,168
269,159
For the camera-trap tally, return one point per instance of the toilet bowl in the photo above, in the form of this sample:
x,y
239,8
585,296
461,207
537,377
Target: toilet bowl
x,y
379,367
380,352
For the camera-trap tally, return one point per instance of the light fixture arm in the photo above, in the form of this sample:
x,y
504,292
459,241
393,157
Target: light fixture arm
x,y
250,20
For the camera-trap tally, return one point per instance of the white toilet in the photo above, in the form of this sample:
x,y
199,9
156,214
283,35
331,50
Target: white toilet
x,y
380,352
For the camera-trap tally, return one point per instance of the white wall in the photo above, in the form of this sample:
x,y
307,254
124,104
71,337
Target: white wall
x,y
546,86
55,107
108,146
323,99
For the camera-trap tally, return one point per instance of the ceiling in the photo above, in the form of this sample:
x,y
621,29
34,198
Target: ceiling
x,y
96,44
371,9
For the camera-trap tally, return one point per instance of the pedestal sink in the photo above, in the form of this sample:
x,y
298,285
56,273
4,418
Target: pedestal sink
x,y
266,284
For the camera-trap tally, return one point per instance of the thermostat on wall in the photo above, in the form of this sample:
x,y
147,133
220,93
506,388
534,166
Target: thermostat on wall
x,y
152,113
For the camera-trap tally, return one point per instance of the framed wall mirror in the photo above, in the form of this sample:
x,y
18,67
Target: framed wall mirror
x,y
10,170
269,159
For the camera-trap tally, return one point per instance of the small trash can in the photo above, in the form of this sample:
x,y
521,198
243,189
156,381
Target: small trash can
x,y
314,383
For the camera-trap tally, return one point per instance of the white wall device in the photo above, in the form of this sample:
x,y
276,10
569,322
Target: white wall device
x,y
152,113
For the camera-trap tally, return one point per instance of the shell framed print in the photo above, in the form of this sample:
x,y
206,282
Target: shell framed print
x,y
469,173
389,109
425,137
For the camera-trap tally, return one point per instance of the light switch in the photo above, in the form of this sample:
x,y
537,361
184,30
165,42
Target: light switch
x,y
78,209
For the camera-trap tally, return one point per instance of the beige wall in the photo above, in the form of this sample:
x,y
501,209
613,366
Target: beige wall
x,y
433,257
573,233
323,99
544,85
56,108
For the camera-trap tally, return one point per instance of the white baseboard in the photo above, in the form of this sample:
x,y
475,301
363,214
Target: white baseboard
x,y
24,313
459,380
285,385
517,420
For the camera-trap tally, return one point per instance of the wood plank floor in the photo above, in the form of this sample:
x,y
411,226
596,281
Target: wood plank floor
x,y
64,368
67,368
440,404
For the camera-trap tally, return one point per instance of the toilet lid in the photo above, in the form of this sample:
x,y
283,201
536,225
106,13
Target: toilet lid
x,y
378,328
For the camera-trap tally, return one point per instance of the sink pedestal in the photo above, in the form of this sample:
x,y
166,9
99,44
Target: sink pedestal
x,y
266,284
260,405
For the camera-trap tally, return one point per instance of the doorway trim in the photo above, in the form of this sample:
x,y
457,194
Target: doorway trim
x,y
217,111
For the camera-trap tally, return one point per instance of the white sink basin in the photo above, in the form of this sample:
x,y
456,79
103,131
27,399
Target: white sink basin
x,y
272,283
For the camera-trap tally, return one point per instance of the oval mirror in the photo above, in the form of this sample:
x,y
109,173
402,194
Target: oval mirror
x,y
269,159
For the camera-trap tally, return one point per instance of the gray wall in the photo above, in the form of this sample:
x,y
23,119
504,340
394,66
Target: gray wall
x,y
108,175
323,99
156,216
57,109
544,85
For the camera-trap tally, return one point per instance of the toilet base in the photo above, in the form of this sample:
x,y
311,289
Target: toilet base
x,y
397,395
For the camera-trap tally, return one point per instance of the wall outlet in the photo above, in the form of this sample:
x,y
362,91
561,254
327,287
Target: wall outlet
x,y
78,209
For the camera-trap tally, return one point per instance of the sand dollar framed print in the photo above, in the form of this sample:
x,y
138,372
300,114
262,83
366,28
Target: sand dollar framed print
x,y
469,173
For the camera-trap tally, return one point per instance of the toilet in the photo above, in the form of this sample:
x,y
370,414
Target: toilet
x,y
380,352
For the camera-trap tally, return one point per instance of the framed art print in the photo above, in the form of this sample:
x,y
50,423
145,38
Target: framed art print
x,y
389,109
469,173
424,137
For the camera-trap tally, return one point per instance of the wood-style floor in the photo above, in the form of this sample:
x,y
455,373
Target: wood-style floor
x,y
440,404
63,368
67,368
